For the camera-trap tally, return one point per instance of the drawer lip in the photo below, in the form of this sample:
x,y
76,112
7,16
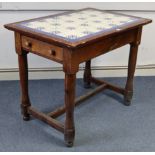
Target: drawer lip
x,y
44,53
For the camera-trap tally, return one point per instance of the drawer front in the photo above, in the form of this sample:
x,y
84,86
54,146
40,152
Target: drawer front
x,y
43,49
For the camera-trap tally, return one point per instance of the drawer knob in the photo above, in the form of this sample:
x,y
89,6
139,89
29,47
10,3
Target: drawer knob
x,y
53,52
28,44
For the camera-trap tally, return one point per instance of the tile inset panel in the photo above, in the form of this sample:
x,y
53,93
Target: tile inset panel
x,y
78,25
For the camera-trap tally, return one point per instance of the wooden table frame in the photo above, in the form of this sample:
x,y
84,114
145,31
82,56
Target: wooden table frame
x,y
72,55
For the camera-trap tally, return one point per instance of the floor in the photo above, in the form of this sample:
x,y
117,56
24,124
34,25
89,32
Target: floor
x,y
102,122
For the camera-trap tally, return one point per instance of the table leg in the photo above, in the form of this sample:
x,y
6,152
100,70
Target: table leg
x,y
131,70
87,74
70,81
23,73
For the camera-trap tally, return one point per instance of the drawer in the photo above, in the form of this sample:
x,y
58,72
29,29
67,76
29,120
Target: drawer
x,y
43,49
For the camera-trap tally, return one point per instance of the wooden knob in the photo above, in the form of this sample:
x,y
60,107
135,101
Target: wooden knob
x,y
28,44
53,52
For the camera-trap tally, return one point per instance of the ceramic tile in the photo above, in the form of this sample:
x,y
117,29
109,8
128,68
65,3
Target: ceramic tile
x,y
78,25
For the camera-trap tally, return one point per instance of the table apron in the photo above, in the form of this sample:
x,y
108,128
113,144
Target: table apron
x,y
103,46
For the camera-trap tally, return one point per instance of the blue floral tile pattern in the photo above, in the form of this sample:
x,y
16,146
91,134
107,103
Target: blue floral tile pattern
x,y
78,25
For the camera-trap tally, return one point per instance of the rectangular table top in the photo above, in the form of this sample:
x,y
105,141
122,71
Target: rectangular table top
x,y
77,27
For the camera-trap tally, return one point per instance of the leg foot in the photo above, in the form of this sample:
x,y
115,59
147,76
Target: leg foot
x,y
128,98
69,144
69,137
127,103
26,118
26,115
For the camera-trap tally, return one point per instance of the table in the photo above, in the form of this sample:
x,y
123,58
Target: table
x,y
71,38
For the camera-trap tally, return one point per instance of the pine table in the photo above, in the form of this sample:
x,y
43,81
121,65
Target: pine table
x,y
71,38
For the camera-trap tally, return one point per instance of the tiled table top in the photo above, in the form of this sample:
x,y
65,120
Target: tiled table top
x,y
78,25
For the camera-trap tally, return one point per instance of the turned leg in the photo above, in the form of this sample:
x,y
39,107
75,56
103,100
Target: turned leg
x,y
131,70
69,106
87,74
23,72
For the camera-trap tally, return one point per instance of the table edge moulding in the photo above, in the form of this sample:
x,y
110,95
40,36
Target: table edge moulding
x,y
62,42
